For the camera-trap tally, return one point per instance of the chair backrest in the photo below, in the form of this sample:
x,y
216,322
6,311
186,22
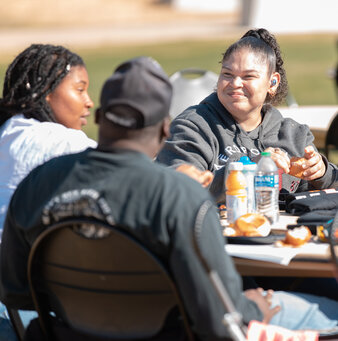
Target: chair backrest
x,y
333,240
190,86
16,322
331,139
99,281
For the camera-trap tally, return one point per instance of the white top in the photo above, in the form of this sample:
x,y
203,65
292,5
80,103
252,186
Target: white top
x,y
27,143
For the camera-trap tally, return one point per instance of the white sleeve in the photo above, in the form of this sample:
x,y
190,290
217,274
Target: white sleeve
x,y
54,140
43,142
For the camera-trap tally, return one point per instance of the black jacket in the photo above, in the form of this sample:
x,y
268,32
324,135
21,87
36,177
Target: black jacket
x,y
159,206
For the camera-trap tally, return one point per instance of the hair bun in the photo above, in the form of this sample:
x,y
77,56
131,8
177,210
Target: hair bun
x,y
255,34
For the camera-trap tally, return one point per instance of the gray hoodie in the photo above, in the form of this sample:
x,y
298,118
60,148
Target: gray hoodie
x,y
207,136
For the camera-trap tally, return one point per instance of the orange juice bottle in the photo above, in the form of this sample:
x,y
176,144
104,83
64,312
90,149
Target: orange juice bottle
x,y
236,194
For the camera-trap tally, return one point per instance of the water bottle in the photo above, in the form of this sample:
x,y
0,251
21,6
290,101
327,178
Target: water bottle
x,y
267,188
249,171
236,195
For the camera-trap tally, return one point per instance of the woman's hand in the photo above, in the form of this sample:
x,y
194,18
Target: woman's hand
x,y
281,158
314,166
263,302
203,177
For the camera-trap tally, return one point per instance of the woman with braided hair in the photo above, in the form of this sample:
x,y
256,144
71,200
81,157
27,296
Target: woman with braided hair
x,y
44,106
240,119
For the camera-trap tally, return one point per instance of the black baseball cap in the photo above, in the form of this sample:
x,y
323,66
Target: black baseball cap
x,y
137,95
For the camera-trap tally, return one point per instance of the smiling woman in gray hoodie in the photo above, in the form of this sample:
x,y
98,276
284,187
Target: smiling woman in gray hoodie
x,y
239,119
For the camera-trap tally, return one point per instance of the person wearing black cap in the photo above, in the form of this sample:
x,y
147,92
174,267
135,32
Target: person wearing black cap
x,y
118,182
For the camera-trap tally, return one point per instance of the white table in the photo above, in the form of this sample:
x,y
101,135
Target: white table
x,y
318,118
310,261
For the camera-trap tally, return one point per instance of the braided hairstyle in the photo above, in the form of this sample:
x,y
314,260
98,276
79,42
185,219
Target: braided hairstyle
x,y
264,43
32,75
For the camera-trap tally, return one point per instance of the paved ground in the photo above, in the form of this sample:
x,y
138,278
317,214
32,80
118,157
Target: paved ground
x,y
148,26
12,39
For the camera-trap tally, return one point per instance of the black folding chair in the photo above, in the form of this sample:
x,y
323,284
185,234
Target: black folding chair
x,y
333,240
232,319
331,140
100,282
17,324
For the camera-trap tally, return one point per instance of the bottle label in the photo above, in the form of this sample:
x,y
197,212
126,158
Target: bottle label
x,y
236,206
266,180
250,183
